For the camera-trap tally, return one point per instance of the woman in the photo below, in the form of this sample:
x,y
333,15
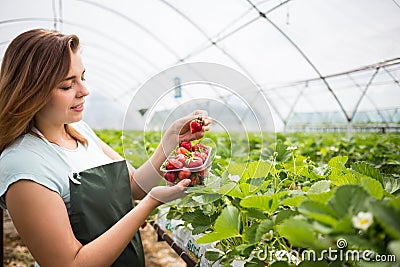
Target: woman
x,y
47,153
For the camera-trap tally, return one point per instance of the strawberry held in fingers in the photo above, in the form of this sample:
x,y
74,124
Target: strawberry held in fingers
x,y
196,125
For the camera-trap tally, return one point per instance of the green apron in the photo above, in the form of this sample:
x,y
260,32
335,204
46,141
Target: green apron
x,y
100,197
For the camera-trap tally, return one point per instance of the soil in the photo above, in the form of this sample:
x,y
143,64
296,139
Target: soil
x,y
157,254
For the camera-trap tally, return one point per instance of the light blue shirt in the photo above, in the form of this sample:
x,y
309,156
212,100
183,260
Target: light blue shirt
x,y
31,158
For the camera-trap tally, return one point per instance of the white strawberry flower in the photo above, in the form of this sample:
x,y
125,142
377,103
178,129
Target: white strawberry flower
x,y
362,220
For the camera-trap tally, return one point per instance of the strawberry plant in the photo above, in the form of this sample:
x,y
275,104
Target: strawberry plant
x,y
290,200
287,202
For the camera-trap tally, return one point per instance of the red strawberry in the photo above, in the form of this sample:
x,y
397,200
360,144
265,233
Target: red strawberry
x,y
174,164
195,162
187,145
196,125
170,176
199,147
194,180
184,174
181,157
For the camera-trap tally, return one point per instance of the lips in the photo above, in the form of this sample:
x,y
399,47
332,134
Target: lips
x,y
78,107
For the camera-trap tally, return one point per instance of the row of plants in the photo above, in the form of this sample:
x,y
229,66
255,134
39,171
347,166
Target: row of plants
x,y
294,199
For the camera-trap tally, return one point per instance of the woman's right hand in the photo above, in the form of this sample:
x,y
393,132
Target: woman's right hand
x,y
164,194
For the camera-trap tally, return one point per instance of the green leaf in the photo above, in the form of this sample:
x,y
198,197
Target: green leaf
x,y
213,255
338,162
394,248
253,264
250,233
206,198
267,203
226,225
318,211
255,169
313,264
321,197
236,169
280,264
197,218
388,217
320,187
283,215
368,170
244,249
342,179
280,148
373,187
391,184
395,203
212,237
255,213
263,228
343,226
200,229
348,200
299,233
234,192
258,169
293,201
228,220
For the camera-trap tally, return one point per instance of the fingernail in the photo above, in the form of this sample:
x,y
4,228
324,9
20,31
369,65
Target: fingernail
x,y
186,182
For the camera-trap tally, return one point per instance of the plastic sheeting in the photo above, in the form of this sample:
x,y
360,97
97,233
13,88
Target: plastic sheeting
x,y
313,61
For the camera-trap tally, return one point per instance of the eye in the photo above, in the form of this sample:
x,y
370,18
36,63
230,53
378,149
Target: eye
x,y
66,87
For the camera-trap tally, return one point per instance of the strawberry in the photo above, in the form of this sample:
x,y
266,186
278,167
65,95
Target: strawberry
x,y
194,181
184,174
174,164
170,176
199,147
196,125
195,162
187,145
182,158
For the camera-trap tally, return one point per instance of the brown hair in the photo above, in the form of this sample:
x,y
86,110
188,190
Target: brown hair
x,y
34,63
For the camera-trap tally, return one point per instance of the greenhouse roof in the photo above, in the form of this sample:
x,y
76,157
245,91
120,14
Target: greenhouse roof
x,y
308,61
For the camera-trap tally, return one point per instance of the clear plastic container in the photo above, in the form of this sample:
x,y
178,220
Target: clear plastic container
x,y
196,174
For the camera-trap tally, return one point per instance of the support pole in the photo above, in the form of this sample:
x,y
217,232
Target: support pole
x,y
349,129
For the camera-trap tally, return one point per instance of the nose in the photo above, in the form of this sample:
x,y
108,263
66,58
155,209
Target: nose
x,y
82,90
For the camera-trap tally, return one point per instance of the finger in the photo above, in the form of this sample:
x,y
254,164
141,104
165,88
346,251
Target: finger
x,y
184,183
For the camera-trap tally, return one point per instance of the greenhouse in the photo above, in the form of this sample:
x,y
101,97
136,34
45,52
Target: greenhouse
x,y
304,103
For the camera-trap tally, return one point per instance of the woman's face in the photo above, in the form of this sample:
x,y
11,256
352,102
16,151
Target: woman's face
x,y
67,99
